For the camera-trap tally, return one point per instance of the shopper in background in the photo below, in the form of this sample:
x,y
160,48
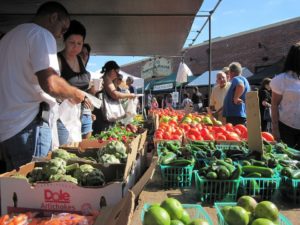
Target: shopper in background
x,y
29,75
197,100
234,107
217,96
73,71
85,53
129,82
154,103
265,96
286,100
227,72
111,71
186,102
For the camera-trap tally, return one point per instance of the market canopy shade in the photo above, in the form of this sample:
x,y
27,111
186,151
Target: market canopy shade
x,y
269,71
203,79
118,27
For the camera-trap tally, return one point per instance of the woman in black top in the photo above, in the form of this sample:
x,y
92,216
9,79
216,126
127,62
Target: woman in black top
x,y
265,96
73,71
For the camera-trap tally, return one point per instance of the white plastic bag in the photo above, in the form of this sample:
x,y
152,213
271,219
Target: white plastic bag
x,y
69,115
130,110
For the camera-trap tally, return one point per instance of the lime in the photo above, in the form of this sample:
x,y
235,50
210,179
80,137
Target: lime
x,y
262,221
173,207
176,222
156,216
198,222
225,210
185,217
247,203
237,216
268,210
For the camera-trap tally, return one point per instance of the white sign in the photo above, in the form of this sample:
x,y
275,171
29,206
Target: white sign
x,y
163,87
157,67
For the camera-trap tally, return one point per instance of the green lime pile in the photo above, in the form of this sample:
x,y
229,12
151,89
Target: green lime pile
x,y
249,212
170,212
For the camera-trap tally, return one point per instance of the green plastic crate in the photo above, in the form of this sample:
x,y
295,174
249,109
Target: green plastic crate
x,y
221,221
290,189
258,187
194,210
216,190
176,176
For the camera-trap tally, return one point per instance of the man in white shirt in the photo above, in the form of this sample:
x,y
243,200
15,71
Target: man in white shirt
x,y
29,75
218,94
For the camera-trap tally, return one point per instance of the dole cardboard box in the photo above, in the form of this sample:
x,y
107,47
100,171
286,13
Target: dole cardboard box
x,y
18,195
132,148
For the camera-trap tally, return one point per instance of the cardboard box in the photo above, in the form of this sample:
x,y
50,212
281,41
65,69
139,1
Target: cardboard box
x,y
18,194
120,214
143,138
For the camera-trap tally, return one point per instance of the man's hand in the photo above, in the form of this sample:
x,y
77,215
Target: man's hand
x,y
237,101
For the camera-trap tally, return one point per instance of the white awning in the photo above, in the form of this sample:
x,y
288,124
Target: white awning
x,y
203,79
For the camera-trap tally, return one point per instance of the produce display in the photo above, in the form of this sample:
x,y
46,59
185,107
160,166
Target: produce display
x,y
246,211
172,212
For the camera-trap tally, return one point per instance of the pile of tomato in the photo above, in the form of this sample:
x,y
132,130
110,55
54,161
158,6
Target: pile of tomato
x,y
172,130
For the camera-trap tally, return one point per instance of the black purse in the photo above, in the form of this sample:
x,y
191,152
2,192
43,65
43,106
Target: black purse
x,y
267,114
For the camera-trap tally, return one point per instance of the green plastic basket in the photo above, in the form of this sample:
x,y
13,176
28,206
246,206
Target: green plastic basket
x,y
258,187
176,176
216,190
221,221
195,211
290,189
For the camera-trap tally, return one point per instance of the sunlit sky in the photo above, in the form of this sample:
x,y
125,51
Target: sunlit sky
x,y
231,17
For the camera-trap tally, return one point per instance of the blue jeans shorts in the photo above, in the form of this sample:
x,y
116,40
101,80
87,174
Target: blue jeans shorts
x,y
86,124
34,141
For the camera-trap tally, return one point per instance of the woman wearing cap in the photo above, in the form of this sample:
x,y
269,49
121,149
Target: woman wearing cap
x,y
73,71
111,71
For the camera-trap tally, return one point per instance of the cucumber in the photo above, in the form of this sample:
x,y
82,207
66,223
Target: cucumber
x,y
169,157
211,175
264,171
253,175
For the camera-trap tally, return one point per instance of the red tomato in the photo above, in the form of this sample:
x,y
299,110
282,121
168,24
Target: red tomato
x,y
220,137
232,136
175,137
159,135
191,136
267,136
167,136
229,127
236,130
241,127
208,137
204,132
199,138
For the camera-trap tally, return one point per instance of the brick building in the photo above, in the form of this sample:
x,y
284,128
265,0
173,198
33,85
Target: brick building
x,y
254,49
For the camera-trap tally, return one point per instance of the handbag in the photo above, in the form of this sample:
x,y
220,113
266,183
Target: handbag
x,y
112,110
267,114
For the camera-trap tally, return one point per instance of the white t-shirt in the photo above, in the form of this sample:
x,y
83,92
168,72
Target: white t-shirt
x,y
218,94
25,50
288,86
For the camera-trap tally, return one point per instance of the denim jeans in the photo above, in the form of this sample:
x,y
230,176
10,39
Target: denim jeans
x,y
86,124
34,141
63,133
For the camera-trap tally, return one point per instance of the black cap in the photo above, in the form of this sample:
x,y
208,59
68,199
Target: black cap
x,y
110,65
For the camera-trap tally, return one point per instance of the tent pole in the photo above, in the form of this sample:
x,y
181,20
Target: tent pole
x,y
209,55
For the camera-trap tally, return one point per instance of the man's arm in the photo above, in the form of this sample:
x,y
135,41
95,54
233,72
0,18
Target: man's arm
x,y
57,87
239,89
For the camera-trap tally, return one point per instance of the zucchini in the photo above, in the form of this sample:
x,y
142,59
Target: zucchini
x,y
230,167
169,157
237,173
264,171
